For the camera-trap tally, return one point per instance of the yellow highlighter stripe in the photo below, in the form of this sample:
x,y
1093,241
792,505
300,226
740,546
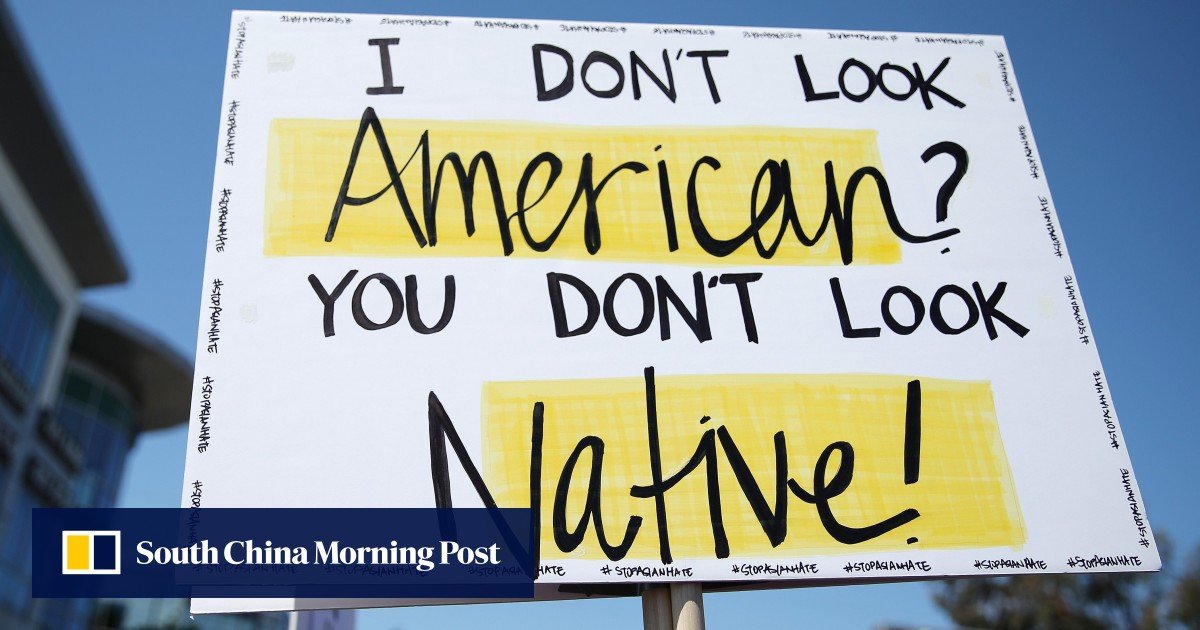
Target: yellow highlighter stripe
x,y
957,493
634,194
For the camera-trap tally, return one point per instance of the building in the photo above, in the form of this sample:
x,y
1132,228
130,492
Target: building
x,y
69,451
77,385
53,244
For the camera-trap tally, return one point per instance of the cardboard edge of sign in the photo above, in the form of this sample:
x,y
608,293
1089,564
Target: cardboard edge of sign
x,y
573,591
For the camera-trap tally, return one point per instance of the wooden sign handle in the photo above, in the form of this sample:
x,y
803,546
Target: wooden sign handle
x,y
679,606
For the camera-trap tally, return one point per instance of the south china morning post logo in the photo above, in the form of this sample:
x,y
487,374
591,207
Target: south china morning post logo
x,y
91,552
251,552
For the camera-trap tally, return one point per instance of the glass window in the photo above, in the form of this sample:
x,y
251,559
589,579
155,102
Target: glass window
x,y
77,388
98,415
64,614
16,554
28,318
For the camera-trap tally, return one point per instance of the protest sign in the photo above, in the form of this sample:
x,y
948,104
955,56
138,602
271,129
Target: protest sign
x,y
718,304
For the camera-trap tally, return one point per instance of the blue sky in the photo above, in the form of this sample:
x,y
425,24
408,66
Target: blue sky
x,y
1109,90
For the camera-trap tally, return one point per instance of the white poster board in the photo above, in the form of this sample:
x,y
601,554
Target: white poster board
x,y
760,304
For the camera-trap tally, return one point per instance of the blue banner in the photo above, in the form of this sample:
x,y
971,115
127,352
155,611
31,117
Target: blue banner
x,y
283,552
